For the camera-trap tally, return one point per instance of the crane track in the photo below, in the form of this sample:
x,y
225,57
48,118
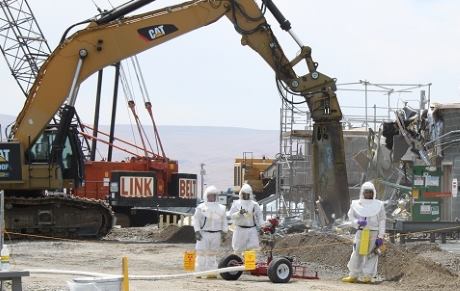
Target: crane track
x,y
58,216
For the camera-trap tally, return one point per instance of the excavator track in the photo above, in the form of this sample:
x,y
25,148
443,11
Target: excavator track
x,y
58,216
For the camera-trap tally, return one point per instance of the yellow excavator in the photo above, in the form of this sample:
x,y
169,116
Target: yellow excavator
x,y
39,158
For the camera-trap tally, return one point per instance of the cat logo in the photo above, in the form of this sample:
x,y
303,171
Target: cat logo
x,y
154,32
4,155
10,162
4,158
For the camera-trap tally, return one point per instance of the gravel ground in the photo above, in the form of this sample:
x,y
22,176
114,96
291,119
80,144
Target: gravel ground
x,y
416,267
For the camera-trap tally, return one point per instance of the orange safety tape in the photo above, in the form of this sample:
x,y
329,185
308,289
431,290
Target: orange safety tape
x,y
42,236
278,249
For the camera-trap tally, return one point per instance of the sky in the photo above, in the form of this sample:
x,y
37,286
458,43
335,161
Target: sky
x,y
207,78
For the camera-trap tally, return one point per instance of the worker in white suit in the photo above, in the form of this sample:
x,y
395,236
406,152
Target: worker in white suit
x,y
247,218
366,212
210,225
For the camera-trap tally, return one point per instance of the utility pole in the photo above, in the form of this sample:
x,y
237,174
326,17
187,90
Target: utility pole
x,y
375,117
202,174
365,83
423,100
389,103
365,101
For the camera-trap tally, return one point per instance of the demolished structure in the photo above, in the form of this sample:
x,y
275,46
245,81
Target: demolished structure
x,y
413,160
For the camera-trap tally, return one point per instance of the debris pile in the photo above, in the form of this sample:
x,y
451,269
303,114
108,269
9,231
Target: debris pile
x,y
184,234
401,265
327,253
133,234
421,266
170,234
167,232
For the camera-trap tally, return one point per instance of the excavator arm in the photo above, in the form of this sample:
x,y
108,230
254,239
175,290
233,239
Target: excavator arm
x,y
113,37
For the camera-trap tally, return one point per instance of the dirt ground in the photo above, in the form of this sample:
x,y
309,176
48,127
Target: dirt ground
x,y
153,252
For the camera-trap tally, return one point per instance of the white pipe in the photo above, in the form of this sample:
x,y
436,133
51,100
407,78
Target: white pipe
x,y
202,273
135,277
70,272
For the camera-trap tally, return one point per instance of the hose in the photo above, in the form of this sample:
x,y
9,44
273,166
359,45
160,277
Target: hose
x,y
134,277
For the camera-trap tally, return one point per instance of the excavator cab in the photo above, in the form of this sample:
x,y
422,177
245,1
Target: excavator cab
x,y
37,187
68,157
45,159
41,150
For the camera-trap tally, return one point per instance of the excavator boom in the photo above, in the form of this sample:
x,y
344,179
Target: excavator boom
x,y
114,37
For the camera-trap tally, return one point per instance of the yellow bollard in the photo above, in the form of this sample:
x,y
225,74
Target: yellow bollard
x,y
181,221
175,219
161,221
124,263
168,221
364,242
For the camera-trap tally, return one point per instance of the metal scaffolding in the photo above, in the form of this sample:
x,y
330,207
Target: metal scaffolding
x,y
381,112
294,177
294,163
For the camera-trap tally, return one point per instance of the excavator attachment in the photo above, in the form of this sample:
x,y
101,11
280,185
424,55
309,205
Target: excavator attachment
x,y
330,175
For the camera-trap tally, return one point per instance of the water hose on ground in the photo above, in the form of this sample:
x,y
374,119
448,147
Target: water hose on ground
x,y
96,275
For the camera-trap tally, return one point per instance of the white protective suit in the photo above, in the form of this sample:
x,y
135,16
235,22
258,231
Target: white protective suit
x,y
373,211
245,236
210,220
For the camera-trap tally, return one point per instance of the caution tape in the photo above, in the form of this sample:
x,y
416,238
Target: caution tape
x,y
428,231
42,236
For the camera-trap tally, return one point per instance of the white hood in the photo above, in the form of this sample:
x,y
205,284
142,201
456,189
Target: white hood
x,y
211,209
246,188
210,190
366,207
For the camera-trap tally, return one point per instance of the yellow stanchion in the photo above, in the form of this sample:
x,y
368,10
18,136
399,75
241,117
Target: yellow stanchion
x,y
124,263
249,260
189,261
364,242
